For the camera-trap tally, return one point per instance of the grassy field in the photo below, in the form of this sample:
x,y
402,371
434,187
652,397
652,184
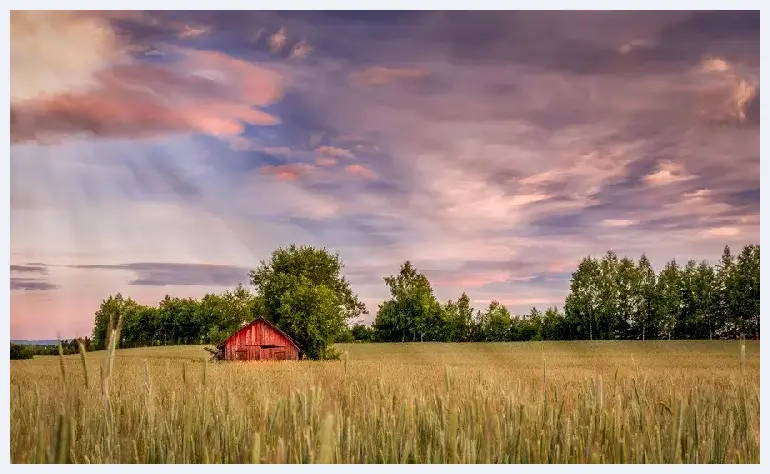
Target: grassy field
x,y
550,402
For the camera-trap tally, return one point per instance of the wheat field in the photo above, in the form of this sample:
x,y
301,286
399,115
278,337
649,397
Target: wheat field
x,y
545,402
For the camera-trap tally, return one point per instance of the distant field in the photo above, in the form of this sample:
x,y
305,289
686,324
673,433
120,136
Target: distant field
x,y
549,402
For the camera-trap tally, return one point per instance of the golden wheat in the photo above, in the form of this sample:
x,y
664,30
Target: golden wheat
x,y
549,402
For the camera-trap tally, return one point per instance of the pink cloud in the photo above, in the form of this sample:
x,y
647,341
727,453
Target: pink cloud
x,y
54,52
301,50
727,90
619,222
277,41
560,266
715,65
189,31
288,172
203,92
667,173
323,161
334,152
360,171
722,232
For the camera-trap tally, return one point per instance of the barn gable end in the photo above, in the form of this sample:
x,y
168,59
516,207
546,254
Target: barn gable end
x,y
259,340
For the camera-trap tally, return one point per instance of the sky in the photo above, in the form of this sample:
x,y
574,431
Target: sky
x,y
171,152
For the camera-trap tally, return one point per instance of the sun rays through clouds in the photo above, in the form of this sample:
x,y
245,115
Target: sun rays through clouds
x,y
157,152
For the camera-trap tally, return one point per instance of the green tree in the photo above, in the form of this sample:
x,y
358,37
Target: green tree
x,y
464,322
669,298
689,324
19,352
495,323
629,297
725,294
302,290
608,307
582,301
745,291
553,327
644,320
362,332
389,323
221,315
527,328
457,320
705,288
180,318
412,312
137,331
108,315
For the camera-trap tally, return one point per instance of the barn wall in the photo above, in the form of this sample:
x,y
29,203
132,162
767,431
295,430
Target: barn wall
x,y
259,333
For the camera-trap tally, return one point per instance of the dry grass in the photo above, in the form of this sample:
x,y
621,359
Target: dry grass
x,y
557,402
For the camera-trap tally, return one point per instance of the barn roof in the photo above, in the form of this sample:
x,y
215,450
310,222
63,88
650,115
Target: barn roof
x,y
273,326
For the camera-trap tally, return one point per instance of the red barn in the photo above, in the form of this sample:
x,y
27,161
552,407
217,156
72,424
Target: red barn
x,y
259,340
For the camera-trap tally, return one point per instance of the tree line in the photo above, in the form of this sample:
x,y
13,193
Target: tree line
x,y
70,346
609,298
174,321
302,291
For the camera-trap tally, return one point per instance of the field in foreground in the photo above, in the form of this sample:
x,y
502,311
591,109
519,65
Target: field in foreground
x,y
549,402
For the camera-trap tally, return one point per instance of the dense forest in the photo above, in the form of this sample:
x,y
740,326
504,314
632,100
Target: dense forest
x,y
609,298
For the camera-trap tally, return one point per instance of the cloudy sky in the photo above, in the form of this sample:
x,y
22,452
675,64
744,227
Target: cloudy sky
x,y
157,153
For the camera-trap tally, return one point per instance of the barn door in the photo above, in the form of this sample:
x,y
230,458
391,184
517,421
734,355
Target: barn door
x,y
241,354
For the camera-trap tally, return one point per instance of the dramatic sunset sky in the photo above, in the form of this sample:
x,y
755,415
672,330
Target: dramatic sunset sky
x,y
157,153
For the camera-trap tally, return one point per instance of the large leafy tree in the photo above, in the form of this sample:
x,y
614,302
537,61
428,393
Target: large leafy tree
x,y
112,310
180,319
464,322
457,320
412,312
221,315
495,323
302,290
553,327
527,328
581,305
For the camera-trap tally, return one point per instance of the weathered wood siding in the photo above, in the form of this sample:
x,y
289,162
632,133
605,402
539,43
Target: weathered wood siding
x,y
249,342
